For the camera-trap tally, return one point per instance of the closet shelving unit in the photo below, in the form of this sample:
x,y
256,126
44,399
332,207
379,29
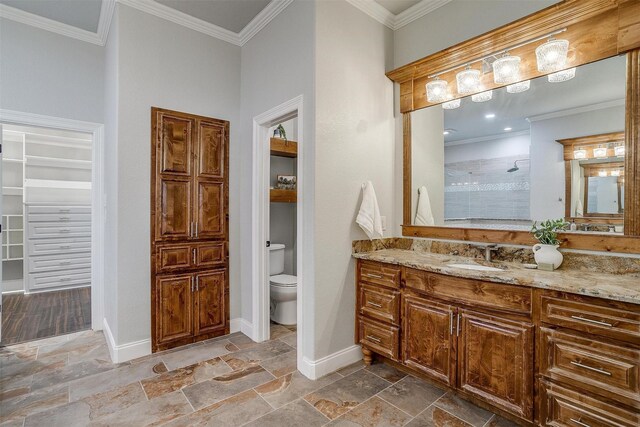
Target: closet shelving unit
x,y
283,148
12,238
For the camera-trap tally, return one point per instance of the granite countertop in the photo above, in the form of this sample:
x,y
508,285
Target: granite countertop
x,y
610,286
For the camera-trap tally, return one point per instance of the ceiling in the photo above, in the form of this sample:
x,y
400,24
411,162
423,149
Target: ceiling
x,y
83,14
397,6
594,83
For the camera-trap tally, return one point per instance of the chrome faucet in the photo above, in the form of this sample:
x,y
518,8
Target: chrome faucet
x,y
488,249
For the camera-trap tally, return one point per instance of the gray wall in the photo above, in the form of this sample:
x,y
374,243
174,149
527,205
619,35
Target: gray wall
x,y
156,68
277,65
46,73
354,143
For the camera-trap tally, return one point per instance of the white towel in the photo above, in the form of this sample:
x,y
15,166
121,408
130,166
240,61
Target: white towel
x,y
424,216
369,216
579,208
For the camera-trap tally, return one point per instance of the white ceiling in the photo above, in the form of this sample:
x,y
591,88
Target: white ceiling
x,y
397,6
83,14
594,83
232,15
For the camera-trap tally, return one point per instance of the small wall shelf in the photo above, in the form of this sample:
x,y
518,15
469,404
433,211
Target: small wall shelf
x,y
283,196
284,148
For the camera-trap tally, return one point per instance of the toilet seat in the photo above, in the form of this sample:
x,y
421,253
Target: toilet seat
x,y
283,280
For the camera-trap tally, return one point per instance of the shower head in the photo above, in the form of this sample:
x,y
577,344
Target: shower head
x,y
515,165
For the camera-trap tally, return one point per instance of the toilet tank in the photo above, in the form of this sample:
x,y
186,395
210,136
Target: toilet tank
x,y
276,259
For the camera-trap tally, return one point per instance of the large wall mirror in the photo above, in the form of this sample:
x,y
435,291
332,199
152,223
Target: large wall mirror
x,y
553,150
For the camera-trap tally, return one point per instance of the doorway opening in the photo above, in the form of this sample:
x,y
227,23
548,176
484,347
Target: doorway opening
x,y
51,227
277,222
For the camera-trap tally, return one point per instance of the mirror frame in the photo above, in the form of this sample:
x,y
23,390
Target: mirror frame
x,y
596,30
587,143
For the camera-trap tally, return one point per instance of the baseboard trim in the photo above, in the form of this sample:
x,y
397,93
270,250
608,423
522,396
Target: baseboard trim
x,y
125,352
314,369
241,325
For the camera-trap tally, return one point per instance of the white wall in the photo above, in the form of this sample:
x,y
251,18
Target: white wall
x,y
156,68
547,161
354,143
277,66
427,159
499,147
456,22
46,73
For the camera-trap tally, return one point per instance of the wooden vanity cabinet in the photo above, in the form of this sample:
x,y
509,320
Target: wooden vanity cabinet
x,y
189,228
470,335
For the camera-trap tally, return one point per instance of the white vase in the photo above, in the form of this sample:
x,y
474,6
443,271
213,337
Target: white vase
x,y
548,254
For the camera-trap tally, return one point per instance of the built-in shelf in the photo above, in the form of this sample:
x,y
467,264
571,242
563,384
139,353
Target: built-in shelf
x,y
12,191
51,183
283,196
284,148
54,162
4,159
13,237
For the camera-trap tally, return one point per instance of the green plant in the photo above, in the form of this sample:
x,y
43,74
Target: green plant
x,y
547,231
283,133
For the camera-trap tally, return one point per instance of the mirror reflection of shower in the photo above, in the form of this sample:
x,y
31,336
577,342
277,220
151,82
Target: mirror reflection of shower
x,y
515,165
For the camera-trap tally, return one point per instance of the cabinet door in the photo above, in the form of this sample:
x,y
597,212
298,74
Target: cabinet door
x,y
428,343
210,179
174,300
210,302
495,361
173,169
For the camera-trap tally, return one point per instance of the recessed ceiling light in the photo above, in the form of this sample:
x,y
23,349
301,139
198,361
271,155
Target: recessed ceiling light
x,y
446,132
507,129
489,116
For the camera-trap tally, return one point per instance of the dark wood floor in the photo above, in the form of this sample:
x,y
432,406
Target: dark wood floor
x,y
46,314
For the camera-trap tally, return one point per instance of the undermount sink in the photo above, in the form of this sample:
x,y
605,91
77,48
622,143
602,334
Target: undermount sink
x,y
477,267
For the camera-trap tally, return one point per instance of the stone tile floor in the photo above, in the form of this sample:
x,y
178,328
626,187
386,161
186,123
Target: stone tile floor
x,y
230,381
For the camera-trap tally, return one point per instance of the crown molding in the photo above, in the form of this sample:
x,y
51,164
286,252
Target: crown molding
x,y
417,11
165,12
261,20
106,14
376,11
383,16
17,15
578,110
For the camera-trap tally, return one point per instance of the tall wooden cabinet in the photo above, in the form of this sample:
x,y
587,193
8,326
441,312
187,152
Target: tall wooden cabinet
x,y
189,228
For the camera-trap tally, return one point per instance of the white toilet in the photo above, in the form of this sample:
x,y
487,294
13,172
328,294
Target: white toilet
x,y
283,288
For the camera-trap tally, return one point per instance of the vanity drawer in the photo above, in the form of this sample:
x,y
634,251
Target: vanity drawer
x,y
174,257
565,407
379,273
380,303
210,254
613,320
63,217
57,279
602,368
58,246
59,209
473,292
56,229
382,339
59,262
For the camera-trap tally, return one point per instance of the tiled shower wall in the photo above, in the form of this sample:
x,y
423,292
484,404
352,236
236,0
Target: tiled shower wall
x,y
483,189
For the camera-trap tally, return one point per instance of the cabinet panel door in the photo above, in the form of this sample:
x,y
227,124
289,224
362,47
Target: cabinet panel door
x,y
173,145
428,343
495,361
211,302
211,149
173,220
211,215
174,301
